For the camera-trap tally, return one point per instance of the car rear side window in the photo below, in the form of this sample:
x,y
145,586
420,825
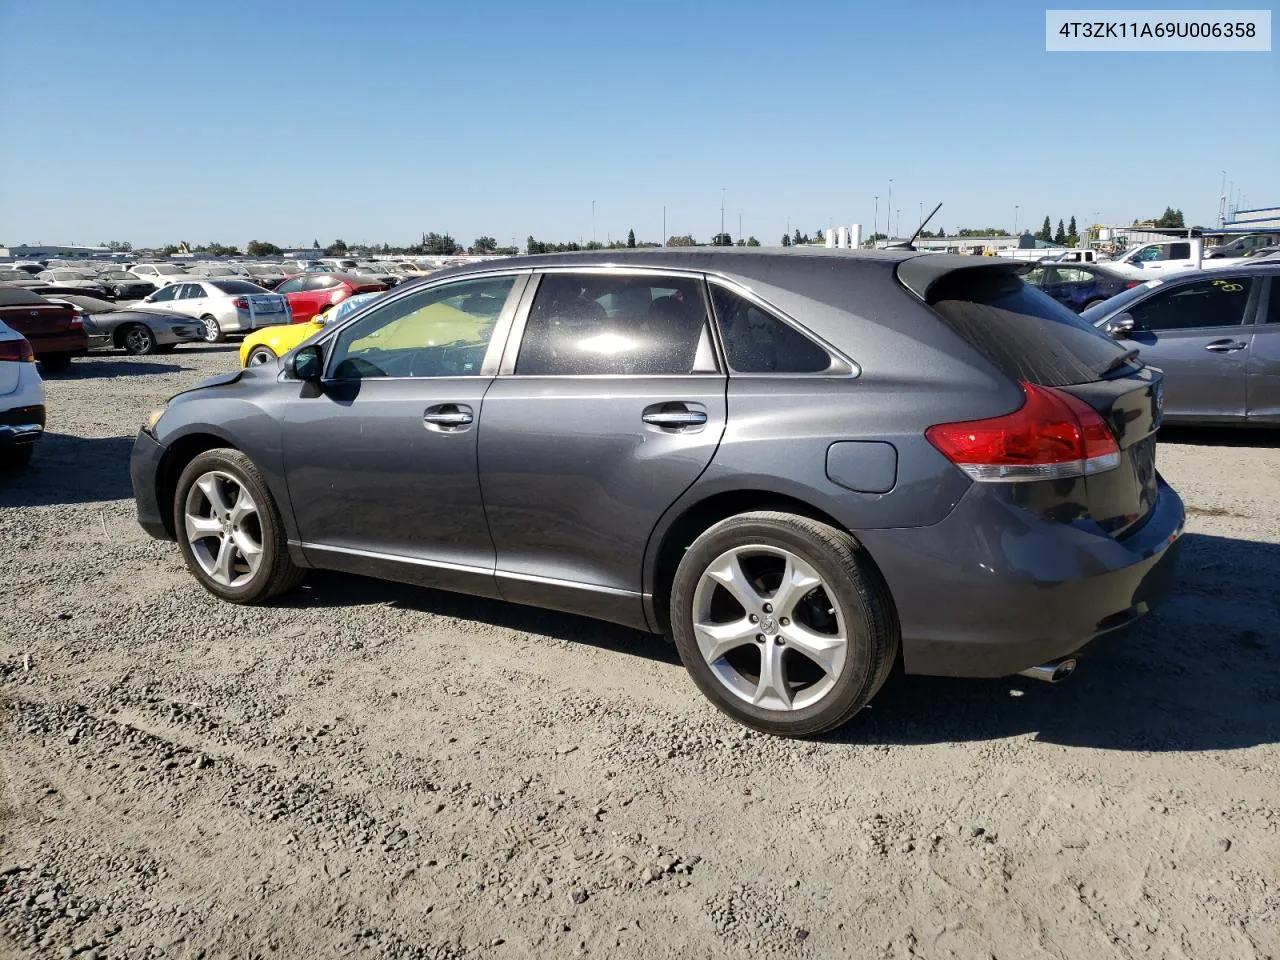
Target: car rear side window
x,y
1024,332
592,324
755,341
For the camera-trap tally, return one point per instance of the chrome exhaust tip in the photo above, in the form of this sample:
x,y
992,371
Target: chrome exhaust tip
x,y
1055,671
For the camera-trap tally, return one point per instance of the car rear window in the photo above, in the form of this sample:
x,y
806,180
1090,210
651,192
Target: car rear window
x,y
1024,332
235,286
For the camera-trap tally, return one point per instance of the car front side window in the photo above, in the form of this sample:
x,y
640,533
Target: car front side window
x,y
1219,302
440,332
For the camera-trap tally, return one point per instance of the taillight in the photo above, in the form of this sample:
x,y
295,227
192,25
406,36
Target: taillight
x,y
241,303
16,351
1051,436
77,319
1131,284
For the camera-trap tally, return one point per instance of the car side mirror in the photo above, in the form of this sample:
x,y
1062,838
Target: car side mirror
x,y
306,364
1121,326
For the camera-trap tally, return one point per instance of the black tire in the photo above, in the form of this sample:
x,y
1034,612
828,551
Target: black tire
x,y
212,330
849,579
56,362
17,457
260,355
138,340
277,573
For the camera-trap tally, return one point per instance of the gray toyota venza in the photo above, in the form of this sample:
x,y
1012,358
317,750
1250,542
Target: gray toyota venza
x,y
806,466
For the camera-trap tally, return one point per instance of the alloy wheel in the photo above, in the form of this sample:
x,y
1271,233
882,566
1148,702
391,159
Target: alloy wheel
x,y
260,356
224,528
212,331
769,627
139,340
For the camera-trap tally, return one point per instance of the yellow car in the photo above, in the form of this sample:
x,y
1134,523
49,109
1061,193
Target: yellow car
x,y
271,343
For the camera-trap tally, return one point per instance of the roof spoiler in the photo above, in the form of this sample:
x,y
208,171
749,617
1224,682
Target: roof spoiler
x,y
922,274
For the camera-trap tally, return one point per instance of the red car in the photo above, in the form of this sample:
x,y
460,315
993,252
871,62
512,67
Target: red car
x,y
309,293
55,330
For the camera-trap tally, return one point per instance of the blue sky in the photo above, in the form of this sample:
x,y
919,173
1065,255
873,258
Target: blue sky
x,y
154,122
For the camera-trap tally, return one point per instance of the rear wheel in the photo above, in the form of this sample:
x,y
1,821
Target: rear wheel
x,y
56,362
229,529
259,356
783,622
138,340
212,329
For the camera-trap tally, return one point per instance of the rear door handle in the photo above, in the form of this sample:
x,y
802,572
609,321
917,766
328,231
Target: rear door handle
x,y
1225,346
674,416
448,417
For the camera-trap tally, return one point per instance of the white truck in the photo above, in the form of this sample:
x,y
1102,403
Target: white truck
x,y
1153,260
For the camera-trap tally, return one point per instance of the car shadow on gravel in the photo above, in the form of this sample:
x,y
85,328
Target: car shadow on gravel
x,y
325,589
107,366
67,469
1264,437
1202,674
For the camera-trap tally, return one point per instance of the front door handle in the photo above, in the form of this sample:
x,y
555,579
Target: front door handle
x,y
674,416
1225,346
450,417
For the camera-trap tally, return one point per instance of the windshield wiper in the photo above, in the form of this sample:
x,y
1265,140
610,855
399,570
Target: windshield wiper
x,y
1121,361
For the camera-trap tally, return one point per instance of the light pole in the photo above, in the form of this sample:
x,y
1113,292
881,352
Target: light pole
x,y
593,221
922,210
739,226
875,223
722,210
889,207
897,223
1015,219
664,224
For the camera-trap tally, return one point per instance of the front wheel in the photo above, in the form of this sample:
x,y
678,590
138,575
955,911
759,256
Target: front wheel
x,y
138,340
212,329
229,530
783,622
260,355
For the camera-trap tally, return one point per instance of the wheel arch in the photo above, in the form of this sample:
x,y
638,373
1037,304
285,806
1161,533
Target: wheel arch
x,y
176,457
117,335
670,542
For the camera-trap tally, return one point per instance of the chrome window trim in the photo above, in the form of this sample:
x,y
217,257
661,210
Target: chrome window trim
x,y
733,286
516,336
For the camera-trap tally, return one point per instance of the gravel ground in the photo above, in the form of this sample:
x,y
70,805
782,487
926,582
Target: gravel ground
x,y
380,770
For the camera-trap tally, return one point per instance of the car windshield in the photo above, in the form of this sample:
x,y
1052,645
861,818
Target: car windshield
x,y
118,275
170,270
262,270
1121,300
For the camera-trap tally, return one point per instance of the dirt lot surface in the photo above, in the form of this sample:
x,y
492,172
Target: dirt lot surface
x,y
375,770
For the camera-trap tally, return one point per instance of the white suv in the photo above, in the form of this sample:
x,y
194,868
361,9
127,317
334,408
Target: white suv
x,y
21,398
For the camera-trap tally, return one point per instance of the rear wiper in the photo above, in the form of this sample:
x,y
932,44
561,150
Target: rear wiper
x,y
1121,361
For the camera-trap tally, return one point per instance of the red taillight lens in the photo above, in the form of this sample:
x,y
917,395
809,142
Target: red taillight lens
x,y
1131,284
1051,436
241,303
77,319
16,351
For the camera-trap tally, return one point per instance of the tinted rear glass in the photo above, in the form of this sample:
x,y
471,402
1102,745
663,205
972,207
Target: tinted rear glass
x,y
235,286
1025,333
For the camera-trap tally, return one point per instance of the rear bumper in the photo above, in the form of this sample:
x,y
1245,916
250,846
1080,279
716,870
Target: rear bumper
x,y
72,343
994,589
144,472
21,425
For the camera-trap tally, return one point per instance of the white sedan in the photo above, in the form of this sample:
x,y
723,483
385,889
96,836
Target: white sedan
x,y
161,274
21,398
224,305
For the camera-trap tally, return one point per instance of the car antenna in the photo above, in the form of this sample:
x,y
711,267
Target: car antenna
x,y
907,245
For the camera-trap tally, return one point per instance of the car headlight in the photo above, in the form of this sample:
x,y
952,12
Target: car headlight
x,y
152,420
